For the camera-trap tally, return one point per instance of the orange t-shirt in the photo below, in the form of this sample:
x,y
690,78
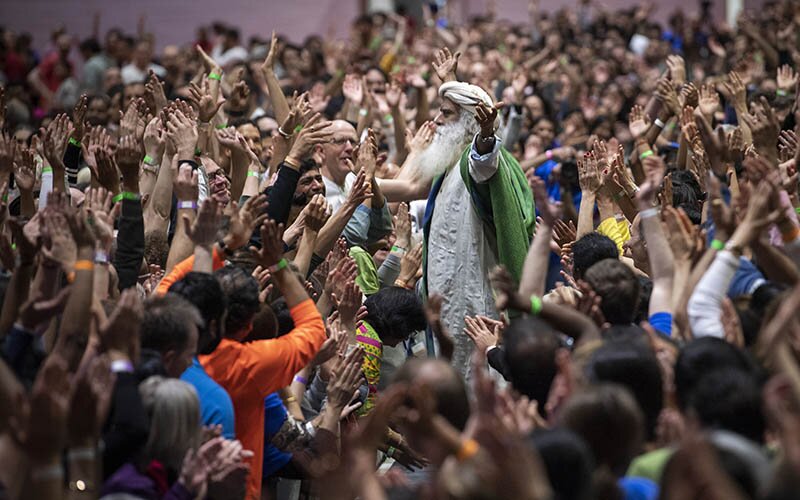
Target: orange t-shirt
x,y
251,371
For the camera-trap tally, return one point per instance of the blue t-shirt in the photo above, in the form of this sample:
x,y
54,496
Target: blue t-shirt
x,y
216,407
274,417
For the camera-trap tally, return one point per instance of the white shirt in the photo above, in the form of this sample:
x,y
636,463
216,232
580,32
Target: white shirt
x,y
336,195
460,254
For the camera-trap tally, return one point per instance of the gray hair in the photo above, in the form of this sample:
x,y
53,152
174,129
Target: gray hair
x,y
174,411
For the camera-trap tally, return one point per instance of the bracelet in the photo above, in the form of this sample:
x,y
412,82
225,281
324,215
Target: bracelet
x,y
153,169
717,244
362,112
790,235
468,449
298,128
126,195
148,160
797,210
47,473
290,399
301,379
121,366
100,257
221,126
83,265
779,92
75,142
283,134
47,170
282,264
215,76
650,212
198,152
86,453
396,248
646,154
187,204
250,173
548,154
659,123
388,118
536,305
390,452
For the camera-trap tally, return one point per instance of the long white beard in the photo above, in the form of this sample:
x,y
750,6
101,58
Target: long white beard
x,y
447,146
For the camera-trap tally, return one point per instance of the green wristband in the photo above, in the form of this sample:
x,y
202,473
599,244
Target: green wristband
x,y
282,264
797,210
252,174
214,76
536,305
646,154
222,126
198,152
148,160
717,245
47,170
780,92
125,195
388,118
396,248
298,129
74,142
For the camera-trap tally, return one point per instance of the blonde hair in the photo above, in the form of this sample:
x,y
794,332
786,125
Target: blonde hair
x,y
174,411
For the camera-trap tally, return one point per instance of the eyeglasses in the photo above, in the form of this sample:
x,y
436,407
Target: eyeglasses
x,y
342,140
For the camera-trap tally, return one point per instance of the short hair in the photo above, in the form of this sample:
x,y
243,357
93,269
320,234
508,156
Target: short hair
x,y
395,313
530,354
729,399
618,287
631,363
166,325
568,461
701,356
241,290
608,419
450,392
204,291
173,409
590,249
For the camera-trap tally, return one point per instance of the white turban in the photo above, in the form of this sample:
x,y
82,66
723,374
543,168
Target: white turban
x,y
466,95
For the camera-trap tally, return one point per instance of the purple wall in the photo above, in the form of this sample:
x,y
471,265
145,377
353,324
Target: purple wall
x,y
174,21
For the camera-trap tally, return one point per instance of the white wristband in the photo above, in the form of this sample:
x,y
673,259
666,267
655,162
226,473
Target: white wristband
x,y
659,123
650,212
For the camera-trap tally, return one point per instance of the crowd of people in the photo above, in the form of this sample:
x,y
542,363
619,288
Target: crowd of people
x,y
552,258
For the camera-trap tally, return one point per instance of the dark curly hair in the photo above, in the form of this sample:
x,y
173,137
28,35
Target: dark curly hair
x,y
395,313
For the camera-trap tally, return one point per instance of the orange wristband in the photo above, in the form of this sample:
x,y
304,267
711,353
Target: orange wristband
x,y
84,265
467,450
791,235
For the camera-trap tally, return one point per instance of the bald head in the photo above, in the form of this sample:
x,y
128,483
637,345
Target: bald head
x,y
447,386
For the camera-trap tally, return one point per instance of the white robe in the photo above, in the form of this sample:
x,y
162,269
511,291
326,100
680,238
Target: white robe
x,y
459,253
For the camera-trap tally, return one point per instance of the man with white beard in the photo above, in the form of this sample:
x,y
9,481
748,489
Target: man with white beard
x,y
480,209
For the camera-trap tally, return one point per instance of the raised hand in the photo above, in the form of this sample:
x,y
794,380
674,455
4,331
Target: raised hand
x,y
134,119
90,403
317,213
182,132
185,185
154,139
203,232
209,64
736,90
245,220
348,303
410,267
101,216
154,93
79,115
688,95
638,122
315,132
394,91
360,191
317,99
271,250
677,69
588,176
708,102
550,211
353,89
506,295
54,141
268,66
445,64
119,335
486,117
765,128
8,148
481,335
787,78
207,105
665,93
402,226
128,156
106,173
423,138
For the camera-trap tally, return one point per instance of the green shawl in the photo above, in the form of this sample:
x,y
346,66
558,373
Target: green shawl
x,y
504,204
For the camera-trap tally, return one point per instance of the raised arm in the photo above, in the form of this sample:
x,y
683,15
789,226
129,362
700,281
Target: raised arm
x,y
659,253
534,271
